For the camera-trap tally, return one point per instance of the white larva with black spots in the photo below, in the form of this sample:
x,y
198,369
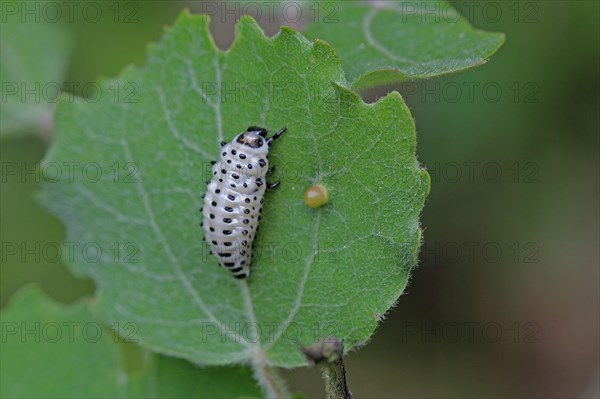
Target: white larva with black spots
x,y
233,201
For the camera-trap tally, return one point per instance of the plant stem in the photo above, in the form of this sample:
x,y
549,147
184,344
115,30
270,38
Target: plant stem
x,y
334,375
270,381
328,354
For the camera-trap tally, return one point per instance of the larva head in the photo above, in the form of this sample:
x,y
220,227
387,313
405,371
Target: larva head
x,y
253,137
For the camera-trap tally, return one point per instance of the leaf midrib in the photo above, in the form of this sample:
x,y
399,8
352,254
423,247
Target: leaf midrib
x,y
182,277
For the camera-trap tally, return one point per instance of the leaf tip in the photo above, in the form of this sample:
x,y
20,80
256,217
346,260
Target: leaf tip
x,y
288,30
246,22
285,32
501,37
324,47
247,26
186,17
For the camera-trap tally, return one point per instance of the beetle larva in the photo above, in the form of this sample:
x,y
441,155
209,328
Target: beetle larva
x,y
233,201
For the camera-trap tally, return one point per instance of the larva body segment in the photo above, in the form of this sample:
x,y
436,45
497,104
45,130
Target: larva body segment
x,y
234,198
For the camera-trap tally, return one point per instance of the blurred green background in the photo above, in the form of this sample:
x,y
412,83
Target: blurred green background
x,y
505,301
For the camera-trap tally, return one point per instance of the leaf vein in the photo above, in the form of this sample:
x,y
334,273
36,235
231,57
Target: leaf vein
x,y
185,282
173,129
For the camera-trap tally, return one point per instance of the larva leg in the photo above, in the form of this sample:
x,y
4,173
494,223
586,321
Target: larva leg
x,y
274,184
271,139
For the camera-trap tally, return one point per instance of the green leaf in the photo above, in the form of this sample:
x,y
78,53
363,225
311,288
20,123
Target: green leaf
x,y
43,343
316,273
46,344
168,377
34,58
397,41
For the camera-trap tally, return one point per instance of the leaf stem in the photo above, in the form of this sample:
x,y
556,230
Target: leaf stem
x,y
269,379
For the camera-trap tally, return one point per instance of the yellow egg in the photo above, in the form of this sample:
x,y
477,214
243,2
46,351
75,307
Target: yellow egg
x,y
316,196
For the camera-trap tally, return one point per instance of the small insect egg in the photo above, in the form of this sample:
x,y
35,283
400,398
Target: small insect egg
x,y
316,196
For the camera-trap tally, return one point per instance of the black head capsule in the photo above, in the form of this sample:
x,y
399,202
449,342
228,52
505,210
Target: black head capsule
x,y
262,132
